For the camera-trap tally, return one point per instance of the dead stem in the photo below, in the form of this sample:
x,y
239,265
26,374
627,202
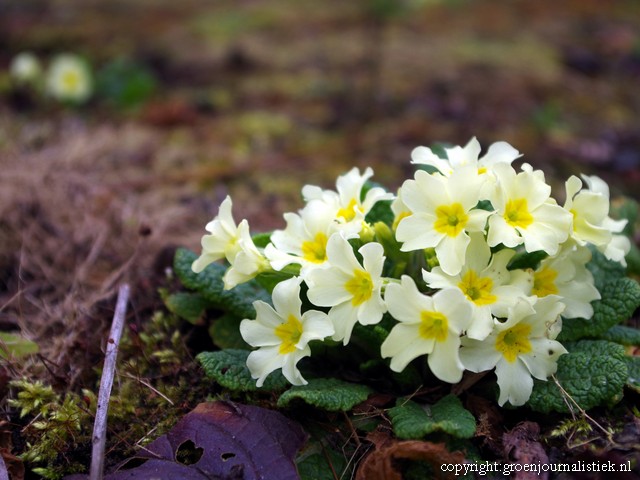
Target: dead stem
x,y
149,386
106,383
582,411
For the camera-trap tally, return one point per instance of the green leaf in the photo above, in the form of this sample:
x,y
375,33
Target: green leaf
x,y
225,333
527,260
593,373
187,305
209,283
628,210
633,378
14,345
603,269
411,420
623,335
269,280
633,259
125,83
261,240
229,369
381,211
620,298
314,464
328,394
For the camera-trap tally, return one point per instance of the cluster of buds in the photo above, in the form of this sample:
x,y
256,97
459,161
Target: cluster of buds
x,y
442,266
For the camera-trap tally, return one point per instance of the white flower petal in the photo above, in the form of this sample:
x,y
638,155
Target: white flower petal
x,y
257,334
479,356
444,360
515,383
417,232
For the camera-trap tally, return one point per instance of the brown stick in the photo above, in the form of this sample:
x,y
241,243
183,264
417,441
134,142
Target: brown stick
x,y
106,383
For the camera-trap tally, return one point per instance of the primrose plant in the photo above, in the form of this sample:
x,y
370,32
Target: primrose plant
x,y
472,263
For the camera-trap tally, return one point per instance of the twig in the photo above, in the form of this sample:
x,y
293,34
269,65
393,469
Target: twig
x,y
583,412
149,386
106,382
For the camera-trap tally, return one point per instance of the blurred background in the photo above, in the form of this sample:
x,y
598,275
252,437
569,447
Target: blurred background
x,y
125,123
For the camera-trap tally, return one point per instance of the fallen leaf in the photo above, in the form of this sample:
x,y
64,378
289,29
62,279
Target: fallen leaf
x,y
223,441
381,463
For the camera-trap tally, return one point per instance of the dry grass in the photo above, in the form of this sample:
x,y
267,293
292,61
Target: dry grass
x,y
72,228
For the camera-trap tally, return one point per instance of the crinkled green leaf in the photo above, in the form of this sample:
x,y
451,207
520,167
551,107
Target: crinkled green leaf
x,y
238,300
603,269
411,420
225,332
593,373
633,379
328,394
15,345
229,369
623,335
187,305
620,298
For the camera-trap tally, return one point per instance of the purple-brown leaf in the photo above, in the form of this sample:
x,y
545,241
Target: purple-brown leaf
x,y
224,441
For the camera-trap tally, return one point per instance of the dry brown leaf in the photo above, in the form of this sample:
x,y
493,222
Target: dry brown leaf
x,y
380,463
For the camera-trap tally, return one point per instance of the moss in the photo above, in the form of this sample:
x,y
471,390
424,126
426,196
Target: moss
x,y
147,400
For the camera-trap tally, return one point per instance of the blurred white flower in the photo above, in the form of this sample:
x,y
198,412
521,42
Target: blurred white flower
x,y
69,79
25,69
458,157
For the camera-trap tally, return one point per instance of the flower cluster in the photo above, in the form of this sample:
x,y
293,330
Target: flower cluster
x,y
442,266
68,78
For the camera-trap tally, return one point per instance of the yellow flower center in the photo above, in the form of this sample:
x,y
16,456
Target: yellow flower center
x,y
433,325
360,286
290,333
517,213
477,289
349,212
482,170
450,219
544,282
71,80
513,342
315,250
